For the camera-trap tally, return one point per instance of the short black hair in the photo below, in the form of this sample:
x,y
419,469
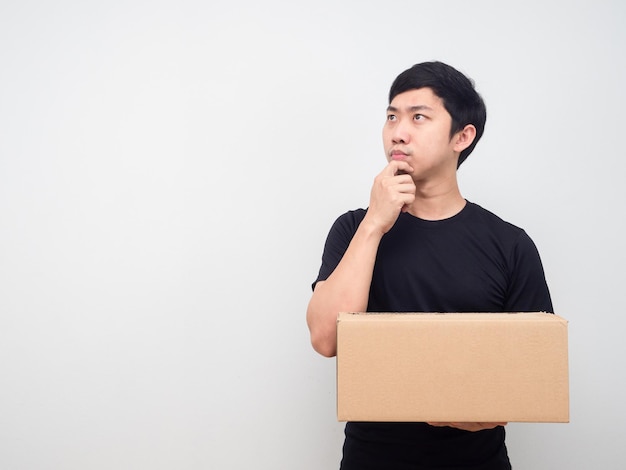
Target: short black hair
x,y
457,91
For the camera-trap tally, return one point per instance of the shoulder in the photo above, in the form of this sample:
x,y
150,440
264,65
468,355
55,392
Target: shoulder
x,y
483,217
349,221
338,239
511,238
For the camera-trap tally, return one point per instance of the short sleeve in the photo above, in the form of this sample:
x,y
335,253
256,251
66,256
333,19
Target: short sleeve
x,y
337,242
528,290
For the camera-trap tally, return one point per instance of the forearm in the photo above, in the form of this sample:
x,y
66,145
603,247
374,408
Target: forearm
x,y
345,290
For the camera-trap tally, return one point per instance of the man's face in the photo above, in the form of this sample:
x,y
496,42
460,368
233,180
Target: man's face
x,y
417,130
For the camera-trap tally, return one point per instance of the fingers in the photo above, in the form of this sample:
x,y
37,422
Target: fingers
x,y
477,426
396,189
396,176
390,195
397,167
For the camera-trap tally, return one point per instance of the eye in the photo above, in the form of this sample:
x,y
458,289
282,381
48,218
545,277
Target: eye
x,y
391,117
419,117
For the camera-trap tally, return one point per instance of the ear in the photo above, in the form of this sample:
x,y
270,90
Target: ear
x,y
464,138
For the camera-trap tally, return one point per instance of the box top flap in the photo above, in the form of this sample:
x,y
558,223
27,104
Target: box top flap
x,y
454,316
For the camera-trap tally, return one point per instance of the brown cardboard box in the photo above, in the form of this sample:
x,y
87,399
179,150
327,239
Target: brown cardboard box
x,y
452,367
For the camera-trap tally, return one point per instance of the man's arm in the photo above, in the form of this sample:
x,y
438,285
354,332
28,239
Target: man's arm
x,y
529,292
347,288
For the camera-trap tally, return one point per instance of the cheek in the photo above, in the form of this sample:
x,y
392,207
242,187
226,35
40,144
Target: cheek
x,y
387,157
385,135
386,141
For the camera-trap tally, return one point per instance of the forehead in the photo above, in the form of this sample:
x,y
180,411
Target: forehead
x,y
420,97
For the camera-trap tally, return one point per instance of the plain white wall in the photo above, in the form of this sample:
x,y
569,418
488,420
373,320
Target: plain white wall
x,y
168,174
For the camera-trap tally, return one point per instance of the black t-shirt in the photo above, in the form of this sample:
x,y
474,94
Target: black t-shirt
x,y
471,262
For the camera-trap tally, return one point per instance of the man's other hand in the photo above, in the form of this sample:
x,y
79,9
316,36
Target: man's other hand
x,y
469,426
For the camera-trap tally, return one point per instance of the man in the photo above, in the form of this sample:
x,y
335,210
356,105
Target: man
x,y
421,247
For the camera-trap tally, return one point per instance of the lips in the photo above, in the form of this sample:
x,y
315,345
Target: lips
x,y
398,155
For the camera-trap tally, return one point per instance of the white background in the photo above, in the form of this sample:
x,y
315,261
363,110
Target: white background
x,y
169,171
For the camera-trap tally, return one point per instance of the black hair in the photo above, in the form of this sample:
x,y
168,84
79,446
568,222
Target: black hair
x,y
459,96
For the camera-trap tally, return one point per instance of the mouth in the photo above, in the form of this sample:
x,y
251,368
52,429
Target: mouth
x,y
398,155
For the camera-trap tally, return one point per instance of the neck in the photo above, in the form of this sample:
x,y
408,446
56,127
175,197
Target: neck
x,y
437,201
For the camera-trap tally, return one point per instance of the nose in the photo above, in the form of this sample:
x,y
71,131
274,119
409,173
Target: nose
x,y
399,133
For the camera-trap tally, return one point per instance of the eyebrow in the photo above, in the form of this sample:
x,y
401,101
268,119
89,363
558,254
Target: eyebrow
x,y
421,107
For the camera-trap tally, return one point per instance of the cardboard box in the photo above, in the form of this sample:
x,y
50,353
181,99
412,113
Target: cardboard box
x,y
453,367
